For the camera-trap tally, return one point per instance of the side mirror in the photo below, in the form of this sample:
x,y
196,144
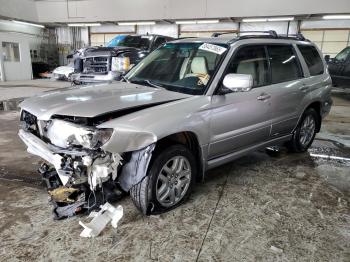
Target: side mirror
x,y
327,58
238,82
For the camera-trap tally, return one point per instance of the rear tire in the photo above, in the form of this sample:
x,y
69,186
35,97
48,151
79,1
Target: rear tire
x,y
168,182
305,132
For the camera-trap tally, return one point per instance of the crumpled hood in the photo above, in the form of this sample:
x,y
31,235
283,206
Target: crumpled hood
x,y
95,100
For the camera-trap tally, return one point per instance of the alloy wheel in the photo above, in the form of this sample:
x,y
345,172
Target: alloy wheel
x,y
173,181
307,130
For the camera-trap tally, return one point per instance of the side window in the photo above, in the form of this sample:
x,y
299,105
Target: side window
x,y
312,59
159,41
251,60
283,63
342,56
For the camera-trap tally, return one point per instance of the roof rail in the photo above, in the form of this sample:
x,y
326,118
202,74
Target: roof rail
x,y
270,33
217,34
263,34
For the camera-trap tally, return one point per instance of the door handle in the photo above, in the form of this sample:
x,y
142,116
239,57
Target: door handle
x,y
263,97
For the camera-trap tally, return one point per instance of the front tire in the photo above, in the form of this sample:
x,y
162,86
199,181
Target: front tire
x,y
305,132
168,182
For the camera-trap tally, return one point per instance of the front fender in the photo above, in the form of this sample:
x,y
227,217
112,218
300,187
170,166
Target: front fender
x,y
140,129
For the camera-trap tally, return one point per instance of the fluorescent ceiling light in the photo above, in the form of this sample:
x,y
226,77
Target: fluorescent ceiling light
x,y
268,19
137,23
252,20
274,19
208,21
84,24
186,22
336,17
25,23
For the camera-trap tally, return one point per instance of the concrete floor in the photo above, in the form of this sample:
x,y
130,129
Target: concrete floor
x,y
287,207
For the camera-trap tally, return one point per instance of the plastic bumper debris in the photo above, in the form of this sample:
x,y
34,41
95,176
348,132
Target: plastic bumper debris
x,y
108,213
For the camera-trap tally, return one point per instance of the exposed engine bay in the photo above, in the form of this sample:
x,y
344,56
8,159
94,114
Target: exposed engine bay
x,y
79,175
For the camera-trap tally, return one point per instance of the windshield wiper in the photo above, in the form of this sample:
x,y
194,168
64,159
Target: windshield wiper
x,y
147,82
125,79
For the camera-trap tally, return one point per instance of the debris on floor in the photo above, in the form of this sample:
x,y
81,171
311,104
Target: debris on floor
x,y
276,249
101,219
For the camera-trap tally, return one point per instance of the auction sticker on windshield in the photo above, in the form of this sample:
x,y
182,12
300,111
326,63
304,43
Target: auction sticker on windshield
x,y
213,48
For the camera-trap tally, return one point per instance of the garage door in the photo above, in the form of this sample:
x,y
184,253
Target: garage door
x,y
331,42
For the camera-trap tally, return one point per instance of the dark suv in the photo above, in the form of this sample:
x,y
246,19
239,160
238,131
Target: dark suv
x,y
339,68
106,63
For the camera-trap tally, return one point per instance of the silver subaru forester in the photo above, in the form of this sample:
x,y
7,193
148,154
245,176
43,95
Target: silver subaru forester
x,y
191,105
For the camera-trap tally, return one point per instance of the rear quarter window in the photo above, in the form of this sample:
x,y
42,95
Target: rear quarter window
x,y
312,59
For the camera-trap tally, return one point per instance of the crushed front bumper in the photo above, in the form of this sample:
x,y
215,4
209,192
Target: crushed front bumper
x,y
48,152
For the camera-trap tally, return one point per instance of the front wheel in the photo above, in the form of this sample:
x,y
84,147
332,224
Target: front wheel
x,y
305,132
168,182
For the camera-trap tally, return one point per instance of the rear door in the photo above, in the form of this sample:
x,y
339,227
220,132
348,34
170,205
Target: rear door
x,y
286,87
241,119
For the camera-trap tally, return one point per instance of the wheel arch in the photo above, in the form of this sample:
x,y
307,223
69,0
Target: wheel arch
x,y
316,105
188,139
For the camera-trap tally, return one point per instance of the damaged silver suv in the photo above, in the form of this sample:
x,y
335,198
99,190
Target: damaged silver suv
x,y
189,106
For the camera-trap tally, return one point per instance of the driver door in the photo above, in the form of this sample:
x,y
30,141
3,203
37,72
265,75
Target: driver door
x,y
242,119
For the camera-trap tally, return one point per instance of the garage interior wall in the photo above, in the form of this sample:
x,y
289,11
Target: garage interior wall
x,y
101,35
32,43
330,36
112,10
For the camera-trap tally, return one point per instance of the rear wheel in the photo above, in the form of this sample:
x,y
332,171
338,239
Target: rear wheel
x,y
305,132
168,182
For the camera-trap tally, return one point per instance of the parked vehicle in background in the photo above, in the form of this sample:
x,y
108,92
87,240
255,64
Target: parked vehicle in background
x,y
63,72
339,68
190,106
100,64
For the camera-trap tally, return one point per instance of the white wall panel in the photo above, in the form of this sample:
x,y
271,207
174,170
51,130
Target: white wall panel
x,y
112,29
279,27
21,70
209,27
325,24
167,30
20,9
111,10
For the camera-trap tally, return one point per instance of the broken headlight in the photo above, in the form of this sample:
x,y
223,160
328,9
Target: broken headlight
x,y
93,138
64,134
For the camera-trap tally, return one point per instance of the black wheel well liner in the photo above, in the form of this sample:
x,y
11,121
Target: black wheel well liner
x,y
317,107
188,139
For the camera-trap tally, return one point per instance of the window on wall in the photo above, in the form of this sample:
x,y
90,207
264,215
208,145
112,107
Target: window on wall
x,y
284,64
10,52
331,42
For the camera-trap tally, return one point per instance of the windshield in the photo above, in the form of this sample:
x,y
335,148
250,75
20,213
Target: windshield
x,y
343,54
141,42
180,67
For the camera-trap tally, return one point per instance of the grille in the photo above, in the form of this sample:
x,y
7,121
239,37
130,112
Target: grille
x,y
98,64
